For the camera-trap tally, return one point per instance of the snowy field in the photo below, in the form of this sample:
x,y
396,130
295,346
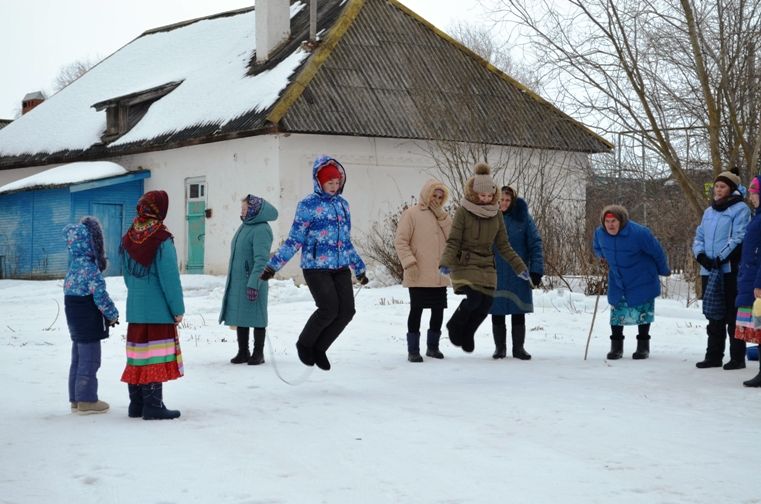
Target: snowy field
x,y
377,429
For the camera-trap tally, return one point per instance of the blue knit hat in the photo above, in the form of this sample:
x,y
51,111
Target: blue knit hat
x,y
254,206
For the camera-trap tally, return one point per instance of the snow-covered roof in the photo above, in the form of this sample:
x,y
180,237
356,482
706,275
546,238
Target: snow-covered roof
x,y
72,173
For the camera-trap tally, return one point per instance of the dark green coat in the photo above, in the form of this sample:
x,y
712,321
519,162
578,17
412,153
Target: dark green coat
x,y
469,252
249,253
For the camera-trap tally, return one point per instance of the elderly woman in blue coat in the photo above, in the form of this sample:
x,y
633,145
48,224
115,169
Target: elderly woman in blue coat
x,y
635,259
513,295
718,244
245,302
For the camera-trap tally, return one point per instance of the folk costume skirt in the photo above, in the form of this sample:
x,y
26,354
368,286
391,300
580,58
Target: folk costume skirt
x,y
153,354
745,329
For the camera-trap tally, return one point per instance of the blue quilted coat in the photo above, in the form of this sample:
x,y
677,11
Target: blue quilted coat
x,y
321,229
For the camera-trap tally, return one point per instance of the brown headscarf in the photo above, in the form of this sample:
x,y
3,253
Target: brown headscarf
x,y
148,231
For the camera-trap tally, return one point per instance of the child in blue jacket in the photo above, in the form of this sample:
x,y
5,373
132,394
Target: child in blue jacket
x,y
89,312
322,230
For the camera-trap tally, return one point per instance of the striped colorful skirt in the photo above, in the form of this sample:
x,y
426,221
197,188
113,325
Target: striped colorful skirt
x,y
744,328
624,315
153,354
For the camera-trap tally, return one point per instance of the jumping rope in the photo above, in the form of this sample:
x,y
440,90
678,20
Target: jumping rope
x,y
305,374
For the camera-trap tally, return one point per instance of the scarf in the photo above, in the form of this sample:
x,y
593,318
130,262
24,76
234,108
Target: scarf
x,y
148,232
483,211
724,203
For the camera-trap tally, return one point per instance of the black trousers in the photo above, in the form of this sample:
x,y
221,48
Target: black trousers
x,y
334,297
719,330
416,314
518,319
470,313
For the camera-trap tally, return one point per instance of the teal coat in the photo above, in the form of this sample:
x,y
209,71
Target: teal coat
x,y
155,298
249,253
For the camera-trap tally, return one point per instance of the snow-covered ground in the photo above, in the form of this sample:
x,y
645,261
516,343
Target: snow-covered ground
x,y
377,429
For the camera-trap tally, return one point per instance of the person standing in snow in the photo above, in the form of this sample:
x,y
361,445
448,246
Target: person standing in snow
x,y
749,278
513,296
89,312
420,240
635,258
718,245
322,230
245,302
477,231
154,308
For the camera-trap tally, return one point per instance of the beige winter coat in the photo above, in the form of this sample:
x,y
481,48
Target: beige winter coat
x,y
421,238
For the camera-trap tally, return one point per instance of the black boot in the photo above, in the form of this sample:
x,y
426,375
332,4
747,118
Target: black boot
x,y
153,404
306,354
321,359
413,347
432,344
258,356
243,353
716,331
643,349
755,381
736,353
519,339
499,331
135,409
616,349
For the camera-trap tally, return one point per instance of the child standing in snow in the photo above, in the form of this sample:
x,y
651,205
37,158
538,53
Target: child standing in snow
x,y
469,256
245,302
420,240
89,312
154,308
322,230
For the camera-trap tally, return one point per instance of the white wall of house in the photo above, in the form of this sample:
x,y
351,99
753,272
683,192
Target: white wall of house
x,y
382,173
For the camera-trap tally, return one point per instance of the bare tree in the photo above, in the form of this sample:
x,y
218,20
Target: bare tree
x,y
668,71
71,72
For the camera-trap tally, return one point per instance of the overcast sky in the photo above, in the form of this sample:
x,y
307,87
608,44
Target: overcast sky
x,y
39,37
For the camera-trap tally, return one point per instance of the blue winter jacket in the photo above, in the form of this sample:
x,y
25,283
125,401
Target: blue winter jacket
x,y
721,232
321,229
86,303
749,271
513,295
155,298
635,259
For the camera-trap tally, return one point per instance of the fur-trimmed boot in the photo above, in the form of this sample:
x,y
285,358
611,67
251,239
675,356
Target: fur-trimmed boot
x,y
519,339
413,347
153,403
500,341
257,357
616,348
135,408
432,344
243,353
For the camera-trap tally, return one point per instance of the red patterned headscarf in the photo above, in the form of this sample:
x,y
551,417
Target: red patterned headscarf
x,y
148,231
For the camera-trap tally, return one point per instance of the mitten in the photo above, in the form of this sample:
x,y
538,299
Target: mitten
x,y
267,273
444,270
437,210
523,275
252,294
362,278
704,261
536,278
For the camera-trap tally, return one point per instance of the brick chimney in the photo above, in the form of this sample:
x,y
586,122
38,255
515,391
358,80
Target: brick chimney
x,y
31,100
273,26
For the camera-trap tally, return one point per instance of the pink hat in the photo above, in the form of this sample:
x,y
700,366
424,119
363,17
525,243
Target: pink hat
x,y
754,187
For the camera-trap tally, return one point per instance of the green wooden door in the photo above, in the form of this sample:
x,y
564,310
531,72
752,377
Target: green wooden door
x,y
195,215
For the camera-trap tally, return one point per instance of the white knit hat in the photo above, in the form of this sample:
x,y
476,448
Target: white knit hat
x,y
482,181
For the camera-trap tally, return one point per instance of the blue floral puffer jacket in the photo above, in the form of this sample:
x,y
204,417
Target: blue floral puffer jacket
x,y
321,229
84,278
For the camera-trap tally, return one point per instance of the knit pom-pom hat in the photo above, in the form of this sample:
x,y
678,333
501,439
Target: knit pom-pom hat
x,y
482,181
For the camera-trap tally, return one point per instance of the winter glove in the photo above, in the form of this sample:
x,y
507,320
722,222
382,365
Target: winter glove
x,y
362,278
252,294
413,272
536,279
444,270
437,210
112,323
704,261
523,275
267,273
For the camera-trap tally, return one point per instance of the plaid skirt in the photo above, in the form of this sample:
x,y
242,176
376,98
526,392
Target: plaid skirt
x,y
624,315
153,354
744,328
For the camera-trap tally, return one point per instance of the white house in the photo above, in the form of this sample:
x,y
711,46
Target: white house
x,y
243,101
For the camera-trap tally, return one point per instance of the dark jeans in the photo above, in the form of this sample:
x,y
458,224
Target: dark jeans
x,y
515,320
85,362
469,314
413,321
719,330
334,297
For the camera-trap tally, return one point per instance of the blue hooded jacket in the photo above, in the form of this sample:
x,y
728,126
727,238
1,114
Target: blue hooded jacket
x,y
321,229
749,271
